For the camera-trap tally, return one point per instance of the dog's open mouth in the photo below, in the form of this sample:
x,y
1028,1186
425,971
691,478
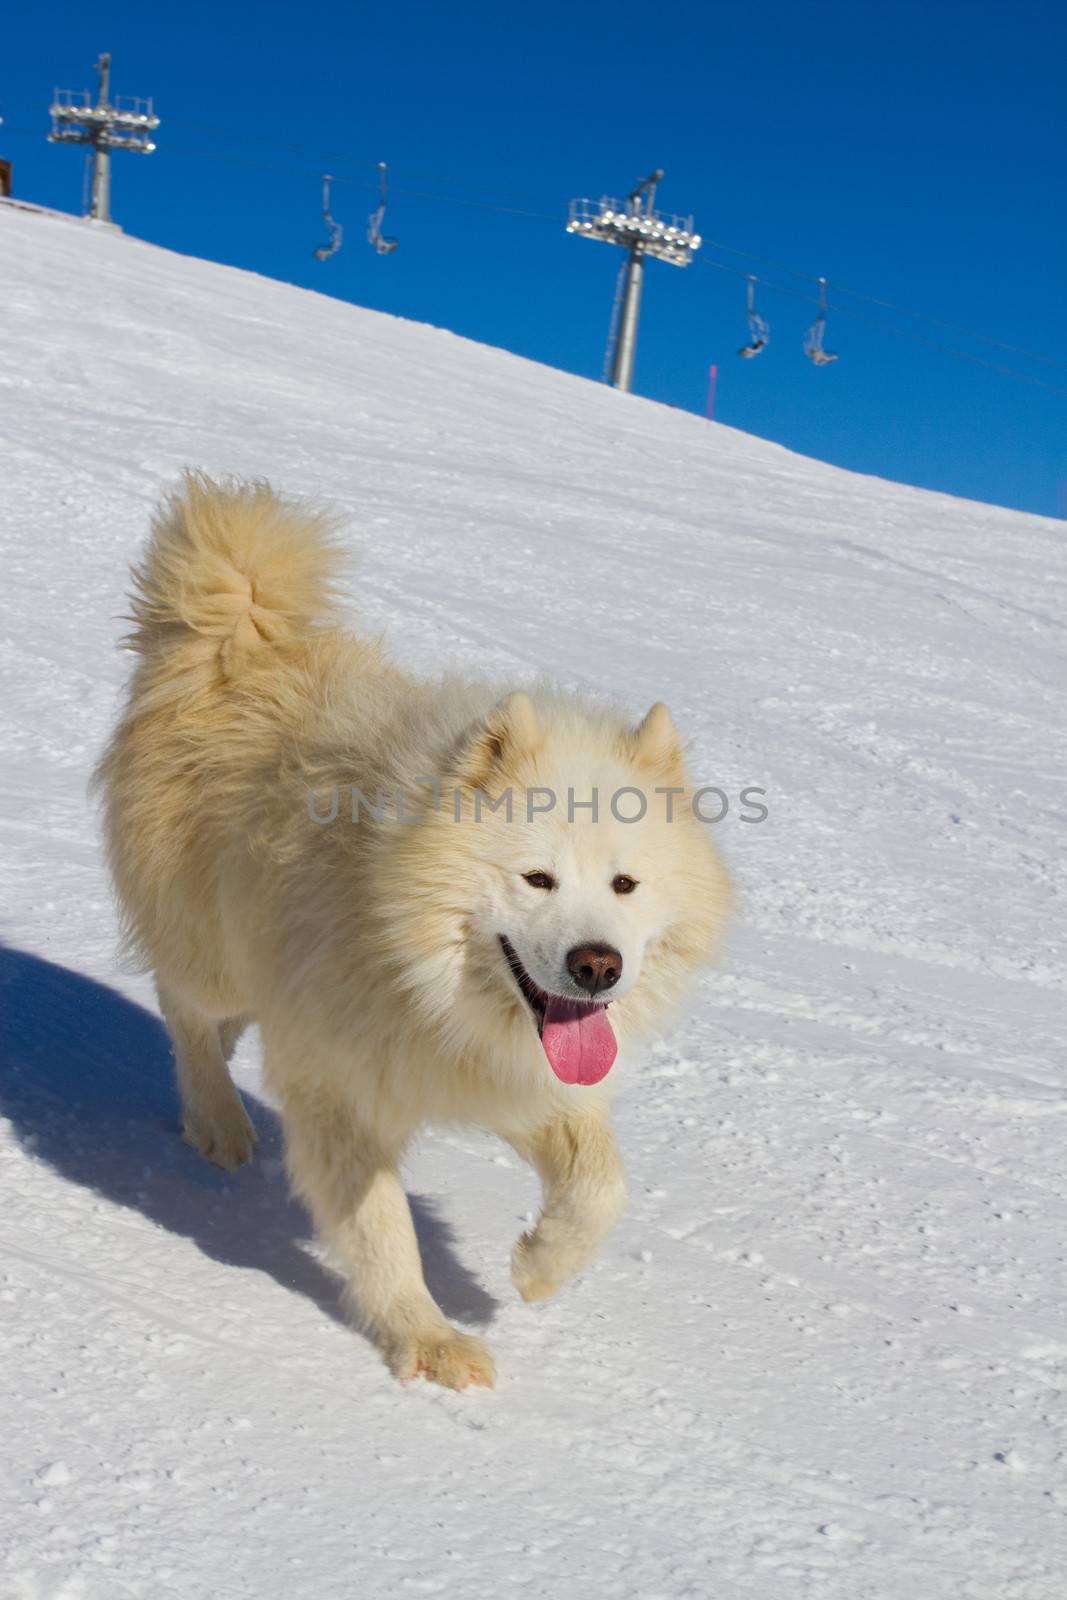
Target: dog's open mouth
x,y
576,1035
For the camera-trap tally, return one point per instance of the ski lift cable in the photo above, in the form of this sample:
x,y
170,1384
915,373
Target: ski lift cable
x,y
457,200
807,277
307,150
715,244
887,305
705,260
891,328
722,266
951,350
350,181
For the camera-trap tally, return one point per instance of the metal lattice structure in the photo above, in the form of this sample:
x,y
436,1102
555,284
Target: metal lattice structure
x,y
125,123
641,231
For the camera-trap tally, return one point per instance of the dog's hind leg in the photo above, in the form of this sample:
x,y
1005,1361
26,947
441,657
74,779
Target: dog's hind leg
x,y
584,1196
213,1119
230,1032
348,1177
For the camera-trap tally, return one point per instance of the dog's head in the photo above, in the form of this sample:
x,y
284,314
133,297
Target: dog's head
x,y
563,891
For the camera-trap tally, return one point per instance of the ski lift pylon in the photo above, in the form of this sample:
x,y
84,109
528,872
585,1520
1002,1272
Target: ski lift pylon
x,y
759,334
333,229
813,345
375,236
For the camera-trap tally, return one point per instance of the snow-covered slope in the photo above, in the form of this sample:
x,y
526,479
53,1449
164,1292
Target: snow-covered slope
x,y
826,1352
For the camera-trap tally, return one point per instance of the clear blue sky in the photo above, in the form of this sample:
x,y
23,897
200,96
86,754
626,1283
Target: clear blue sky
x,y
913,151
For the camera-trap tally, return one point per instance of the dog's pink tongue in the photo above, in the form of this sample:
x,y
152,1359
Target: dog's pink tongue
x,y
578,1040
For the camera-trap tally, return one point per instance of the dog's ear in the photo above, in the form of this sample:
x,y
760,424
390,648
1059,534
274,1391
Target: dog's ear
x,y
509,731
655,743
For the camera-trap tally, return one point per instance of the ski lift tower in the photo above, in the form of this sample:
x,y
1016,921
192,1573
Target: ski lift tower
x,y
124,124
640,231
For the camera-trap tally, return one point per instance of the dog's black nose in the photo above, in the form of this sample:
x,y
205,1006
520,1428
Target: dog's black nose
x,y
594,966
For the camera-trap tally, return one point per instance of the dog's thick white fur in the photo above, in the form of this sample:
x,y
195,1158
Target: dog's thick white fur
x,y
370,953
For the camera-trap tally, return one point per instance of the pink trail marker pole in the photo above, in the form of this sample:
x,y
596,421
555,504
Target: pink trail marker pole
x,y
713,373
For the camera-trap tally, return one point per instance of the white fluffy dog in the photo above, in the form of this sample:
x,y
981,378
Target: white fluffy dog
x,y
437,904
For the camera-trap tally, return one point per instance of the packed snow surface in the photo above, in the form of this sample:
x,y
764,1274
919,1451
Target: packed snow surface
x,y
825,1354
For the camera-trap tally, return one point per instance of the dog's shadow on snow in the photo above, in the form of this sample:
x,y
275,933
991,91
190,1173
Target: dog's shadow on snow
x,y
86,1080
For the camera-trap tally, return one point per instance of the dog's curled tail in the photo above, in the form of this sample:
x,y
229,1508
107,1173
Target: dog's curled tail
x,y
231,571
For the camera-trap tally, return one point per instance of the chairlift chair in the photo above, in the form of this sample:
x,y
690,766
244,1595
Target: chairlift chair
x,y
334,229
813,345
375,236
759,334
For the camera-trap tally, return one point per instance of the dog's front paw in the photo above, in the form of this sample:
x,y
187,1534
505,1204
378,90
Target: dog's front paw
x,y
535,1268
227,1138
455,1360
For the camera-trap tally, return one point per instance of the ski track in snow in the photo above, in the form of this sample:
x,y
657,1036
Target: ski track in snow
x,y
825,1354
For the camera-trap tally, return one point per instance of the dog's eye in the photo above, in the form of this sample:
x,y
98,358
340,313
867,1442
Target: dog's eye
x,y
623,885
540,880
